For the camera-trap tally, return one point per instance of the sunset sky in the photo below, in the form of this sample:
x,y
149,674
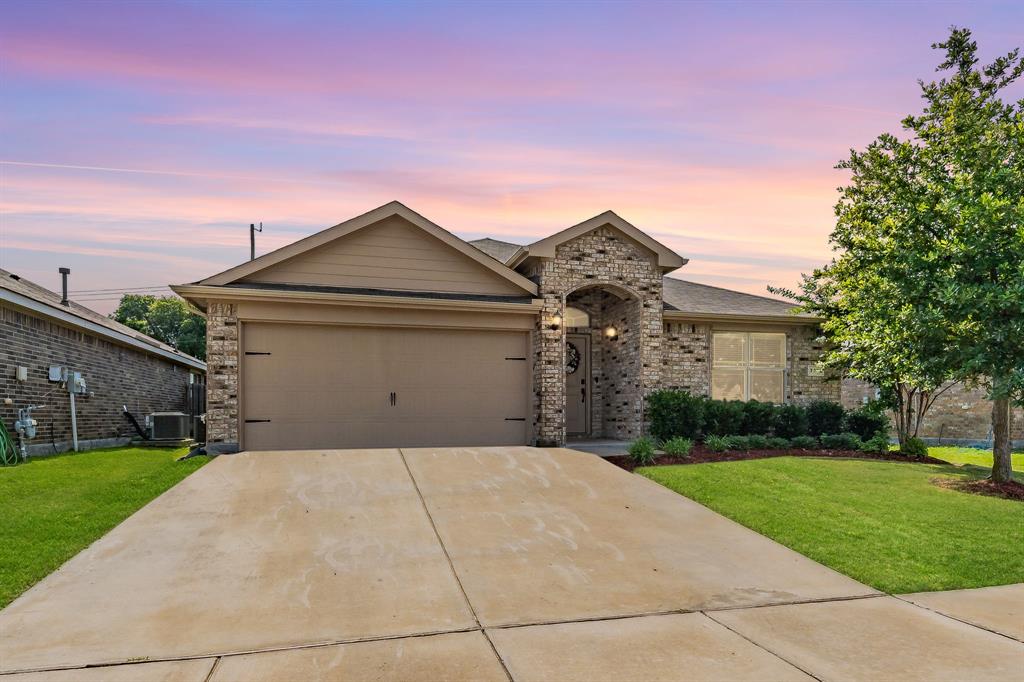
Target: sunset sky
x,y
139,140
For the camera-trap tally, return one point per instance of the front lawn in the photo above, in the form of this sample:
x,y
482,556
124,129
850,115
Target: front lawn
x,y
975,457
883,523
54,507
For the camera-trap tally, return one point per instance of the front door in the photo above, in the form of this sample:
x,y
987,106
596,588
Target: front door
x,y
577,379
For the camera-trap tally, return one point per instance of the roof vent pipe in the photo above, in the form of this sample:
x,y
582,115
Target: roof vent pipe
x,y
64,272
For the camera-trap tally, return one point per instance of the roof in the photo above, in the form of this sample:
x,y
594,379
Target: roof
x,y
26,294
705,300
496,249
545,248
393,208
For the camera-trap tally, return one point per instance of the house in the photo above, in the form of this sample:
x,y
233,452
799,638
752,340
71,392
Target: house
x,y
959,416
388,330
117,366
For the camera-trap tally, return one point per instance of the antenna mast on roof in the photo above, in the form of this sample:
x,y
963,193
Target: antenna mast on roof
x,y
252,239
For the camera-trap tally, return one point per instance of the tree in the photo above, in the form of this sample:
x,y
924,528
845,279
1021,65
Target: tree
x,y
927,286
168,319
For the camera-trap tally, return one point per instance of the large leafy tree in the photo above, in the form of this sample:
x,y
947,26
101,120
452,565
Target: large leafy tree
x,y
167,319
927,286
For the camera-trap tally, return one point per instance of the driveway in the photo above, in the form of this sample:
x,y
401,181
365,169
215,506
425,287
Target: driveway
x,y
463,563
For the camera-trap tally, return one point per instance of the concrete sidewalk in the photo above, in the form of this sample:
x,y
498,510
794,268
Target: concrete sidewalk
x,y
465,563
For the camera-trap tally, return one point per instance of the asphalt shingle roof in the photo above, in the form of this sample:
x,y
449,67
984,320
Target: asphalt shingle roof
x,y
690,297
498,250
19,285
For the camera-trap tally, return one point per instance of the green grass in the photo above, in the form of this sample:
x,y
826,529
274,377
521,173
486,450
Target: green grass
x,y
54,507
882,523
974,457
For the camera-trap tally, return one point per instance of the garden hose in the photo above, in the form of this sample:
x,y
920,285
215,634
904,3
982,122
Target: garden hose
x,y
8,452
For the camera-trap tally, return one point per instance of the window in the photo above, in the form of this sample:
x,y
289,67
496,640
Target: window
x,y
574,317
748,366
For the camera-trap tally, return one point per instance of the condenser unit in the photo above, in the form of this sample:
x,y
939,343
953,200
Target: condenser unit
x,y
169,425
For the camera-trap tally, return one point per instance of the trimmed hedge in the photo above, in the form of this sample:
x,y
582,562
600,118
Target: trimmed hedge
x,y
675,413
824,416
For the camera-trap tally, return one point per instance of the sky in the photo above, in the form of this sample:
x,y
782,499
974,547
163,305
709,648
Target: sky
x,y
139,140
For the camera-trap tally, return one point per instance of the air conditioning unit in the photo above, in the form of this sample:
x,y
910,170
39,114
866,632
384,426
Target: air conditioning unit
x,y
169,425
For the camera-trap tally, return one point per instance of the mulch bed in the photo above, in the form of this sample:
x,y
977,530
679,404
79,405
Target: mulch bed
x,y
1010,491
700,455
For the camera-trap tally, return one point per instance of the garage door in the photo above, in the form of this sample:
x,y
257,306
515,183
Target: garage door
x,y
313,386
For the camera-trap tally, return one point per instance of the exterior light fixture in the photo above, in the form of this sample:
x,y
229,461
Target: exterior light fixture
x,y
556,323
611,332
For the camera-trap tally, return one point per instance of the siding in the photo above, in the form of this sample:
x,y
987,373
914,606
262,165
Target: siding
x,y
392,254
115,375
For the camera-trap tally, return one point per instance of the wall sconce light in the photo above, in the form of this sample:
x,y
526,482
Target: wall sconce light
x,y
556,323
612,333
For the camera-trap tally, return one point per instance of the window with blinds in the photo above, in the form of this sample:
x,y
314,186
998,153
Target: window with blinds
x,y
748,366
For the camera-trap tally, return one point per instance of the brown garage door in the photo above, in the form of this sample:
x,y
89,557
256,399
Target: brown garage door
x,y
313,386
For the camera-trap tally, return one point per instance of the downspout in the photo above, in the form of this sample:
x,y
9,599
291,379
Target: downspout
x,y
74,421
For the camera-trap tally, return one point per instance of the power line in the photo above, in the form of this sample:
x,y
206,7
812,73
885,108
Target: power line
x,y
119,289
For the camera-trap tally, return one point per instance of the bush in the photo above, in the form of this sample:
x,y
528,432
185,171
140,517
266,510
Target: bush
x,y
914,447
758,418
738,442
804,442
824,416
790,421
723,417
756,441
642,451
878,444
675,413
868,422
717,443
777,443
678,446
842,441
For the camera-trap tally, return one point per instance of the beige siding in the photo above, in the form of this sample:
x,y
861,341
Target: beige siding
x,y
392,254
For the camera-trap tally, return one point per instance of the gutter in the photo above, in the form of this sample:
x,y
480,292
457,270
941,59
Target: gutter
x,y
205,292
726,317
81,323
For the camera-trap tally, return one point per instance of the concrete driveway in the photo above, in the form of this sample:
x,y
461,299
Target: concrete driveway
x,y
462,563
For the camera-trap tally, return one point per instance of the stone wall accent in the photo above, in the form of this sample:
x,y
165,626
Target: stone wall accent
x,y
601,258
804,348
115,375
686,357
222,377
960,414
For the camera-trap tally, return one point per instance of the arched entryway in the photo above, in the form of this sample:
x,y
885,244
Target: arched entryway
x,y
603,365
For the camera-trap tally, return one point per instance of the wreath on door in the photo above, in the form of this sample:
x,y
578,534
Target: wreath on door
x,y
572,358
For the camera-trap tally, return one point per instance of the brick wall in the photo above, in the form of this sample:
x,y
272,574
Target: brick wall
x,y
603,259
222,377
958,415
115,375
805,385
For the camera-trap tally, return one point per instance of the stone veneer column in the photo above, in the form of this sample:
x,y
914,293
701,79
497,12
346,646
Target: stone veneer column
x,y
221,378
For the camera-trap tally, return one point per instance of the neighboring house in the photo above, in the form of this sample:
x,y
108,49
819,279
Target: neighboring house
x,y
960,416
387,330
40,329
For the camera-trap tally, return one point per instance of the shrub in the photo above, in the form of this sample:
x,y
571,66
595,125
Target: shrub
x,y
914,447
723,417
756,441
776,443
678,446
824,416
841,441
738,442
790,421
717,443
878,444
868,422
642,451
675,413
804,442
758,418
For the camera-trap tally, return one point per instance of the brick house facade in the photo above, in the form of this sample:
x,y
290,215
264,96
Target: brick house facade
x,y
960,416
646,330
120,366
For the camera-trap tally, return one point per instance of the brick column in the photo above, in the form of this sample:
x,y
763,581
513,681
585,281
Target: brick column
x,y
222,378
